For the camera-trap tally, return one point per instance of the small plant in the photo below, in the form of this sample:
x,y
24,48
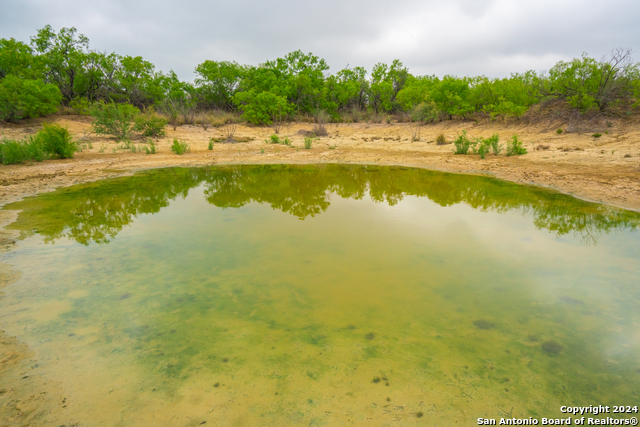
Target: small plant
x,y
180,147
307,143
597,135
319,128
494,142
230,131
483,147
441,140
102,148
627,155
515,147
150,148
415,131
462,143
559,131
275,139
286,141
333,147
262,150
609,124
210,147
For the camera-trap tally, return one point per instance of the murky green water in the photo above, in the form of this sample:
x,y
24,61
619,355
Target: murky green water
x,y
325,295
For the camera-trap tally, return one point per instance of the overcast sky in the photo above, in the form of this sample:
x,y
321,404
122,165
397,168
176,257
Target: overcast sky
x,y
461,37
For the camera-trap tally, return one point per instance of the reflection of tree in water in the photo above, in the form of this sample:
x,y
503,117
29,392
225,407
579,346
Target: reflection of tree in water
x,y
98,211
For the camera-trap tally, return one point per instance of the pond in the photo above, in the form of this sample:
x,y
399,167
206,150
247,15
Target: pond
x,y
325,295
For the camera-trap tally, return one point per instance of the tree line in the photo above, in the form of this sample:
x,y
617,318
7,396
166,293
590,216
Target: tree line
x,y
60,69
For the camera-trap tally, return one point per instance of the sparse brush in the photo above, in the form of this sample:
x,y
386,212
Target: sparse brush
x,y
307,143
286,141
319,128
515,147
210,147
180,147
441,140
150,124
462,143
230,131
414,128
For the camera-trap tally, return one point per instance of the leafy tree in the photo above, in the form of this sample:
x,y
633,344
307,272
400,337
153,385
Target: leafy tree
x,y
17,58
386,82
451,96
64,56
346,89
26,98
590,84
218,82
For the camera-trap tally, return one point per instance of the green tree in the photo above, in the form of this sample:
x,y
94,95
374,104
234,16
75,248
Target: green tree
x,y
451,96
117,120
27,98
218,83
17,58
386,82
64,56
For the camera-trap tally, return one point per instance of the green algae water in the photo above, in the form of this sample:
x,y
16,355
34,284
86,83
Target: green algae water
x,y
324,295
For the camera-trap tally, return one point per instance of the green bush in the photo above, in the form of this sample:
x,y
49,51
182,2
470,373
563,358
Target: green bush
x,y
597,135
515,147
494,142
180,147
150,124
441,140
262,108
462,144
559,131
307,143
81,106
151,147
24,98
275,139
210,147
57,141
114,119
424,112
13,151
483,147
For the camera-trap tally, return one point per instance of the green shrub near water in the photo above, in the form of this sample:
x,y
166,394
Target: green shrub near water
x,y
515,147
462,143
180,147
50,141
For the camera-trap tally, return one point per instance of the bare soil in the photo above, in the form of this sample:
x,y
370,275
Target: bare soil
x,y
604,169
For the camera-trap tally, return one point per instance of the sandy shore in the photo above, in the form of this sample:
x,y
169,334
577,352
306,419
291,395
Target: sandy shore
x,y
604,169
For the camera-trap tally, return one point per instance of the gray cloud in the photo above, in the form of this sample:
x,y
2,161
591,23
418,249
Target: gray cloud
x,y
462,37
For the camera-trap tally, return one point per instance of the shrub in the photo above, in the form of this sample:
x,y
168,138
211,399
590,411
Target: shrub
x,y
597,135
81,106
307,143
180,147
151,147
262,108
441,140
424,112
559,131
515,147
483,147
494,142
275,139
210,147
23,98
150,124
113,119
56,141
462,144
14,151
